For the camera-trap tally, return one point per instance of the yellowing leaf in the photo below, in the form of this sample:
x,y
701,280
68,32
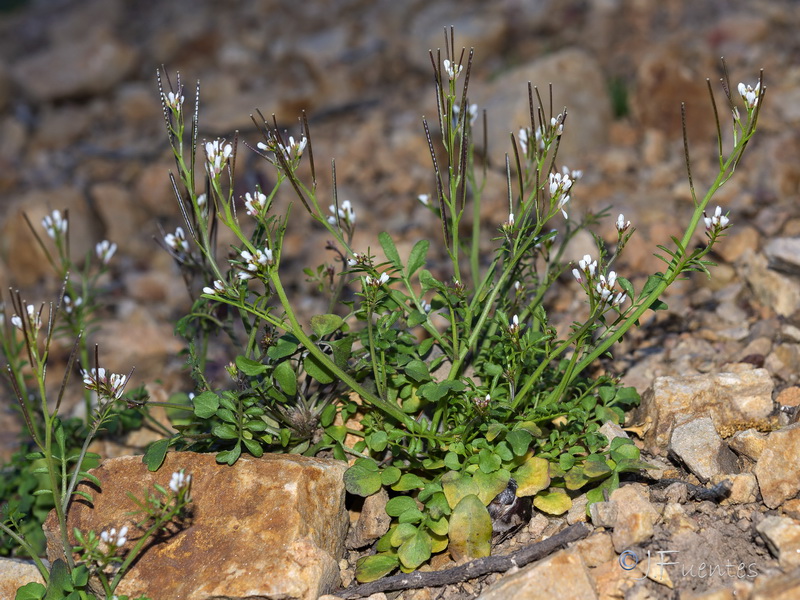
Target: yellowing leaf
x,y
470,529
456,486
552,503
490,484
532,476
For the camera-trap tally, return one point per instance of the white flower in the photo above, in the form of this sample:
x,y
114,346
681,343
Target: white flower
x,y
111,386
472,113
560,183
255,204
290,151
113,538
219,288
345,213
425,199
173,100
523,140
561,203
588,265
254,262
453,70
384,278
34,319
622,225
750,94
510,222
179,480
218,153
177,241
517,285
557,124
54,224
606,292
426,306
718,221
105,250
69,305
577,275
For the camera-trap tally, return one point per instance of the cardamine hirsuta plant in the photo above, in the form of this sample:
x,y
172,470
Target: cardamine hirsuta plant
x,y
452,391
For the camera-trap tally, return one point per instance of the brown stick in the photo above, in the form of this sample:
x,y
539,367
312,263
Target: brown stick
x,y
471,570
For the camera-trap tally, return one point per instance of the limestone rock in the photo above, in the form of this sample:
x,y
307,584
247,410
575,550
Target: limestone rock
x,y
783,255
577,84
778,468
269,527
779,292
750,443
781,587
743,487
728,399
782,535
372,522
84,66
14,574
563,575
636,516
702,450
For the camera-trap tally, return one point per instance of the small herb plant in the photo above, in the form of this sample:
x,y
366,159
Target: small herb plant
x,y
45,475
444,389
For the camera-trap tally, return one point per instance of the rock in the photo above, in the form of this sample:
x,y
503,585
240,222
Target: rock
x,y
775,290
596,549
784,361
87,65
743,488
728,399
636,516
612,582
577,512
702,450
750,443
15,573
372,522
783,255
603,514
577,84
782,535
266,527
780,587
611,430
562,575
778,467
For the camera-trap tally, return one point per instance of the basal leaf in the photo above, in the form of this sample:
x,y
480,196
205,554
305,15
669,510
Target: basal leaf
x,y
370,568
552,503
470,529
363,478
205,405
532,476
400,504
286,377
415,550
458,485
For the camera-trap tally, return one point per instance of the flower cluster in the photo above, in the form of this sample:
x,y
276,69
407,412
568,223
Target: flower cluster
x,y
177,241
179,480
622,225
54,224
114,538
173,101
69,305
254,204
345,213
252,263
472,113
110,386
605,290
750,94
587,267
105,250
559,186
602,288
453,70
218,153
514,328
34,319
290,151
219,288
482,403
716,223
376,283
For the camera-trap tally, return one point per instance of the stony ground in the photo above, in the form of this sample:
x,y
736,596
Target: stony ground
x,y
85,133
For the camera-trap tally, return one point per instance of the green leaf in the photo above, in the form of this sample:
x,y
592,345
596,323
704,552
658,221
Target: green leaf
x,y
417,257
552,503
328,415
286,377
31,591
323,325
230,456
390,475
437,505
253,447
377,441
519,440
85,495
363,478
595,466
317,370
60,581
412,515
409,481
451,461
285,346
80,575
436,391
494,430
626,287
418,371
470,529
250,367
575,479
337,432
205,405
370,568
400,504
623,449
224,431
389,249
415,550
532,476
402,532
90,477
488,461
155,454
